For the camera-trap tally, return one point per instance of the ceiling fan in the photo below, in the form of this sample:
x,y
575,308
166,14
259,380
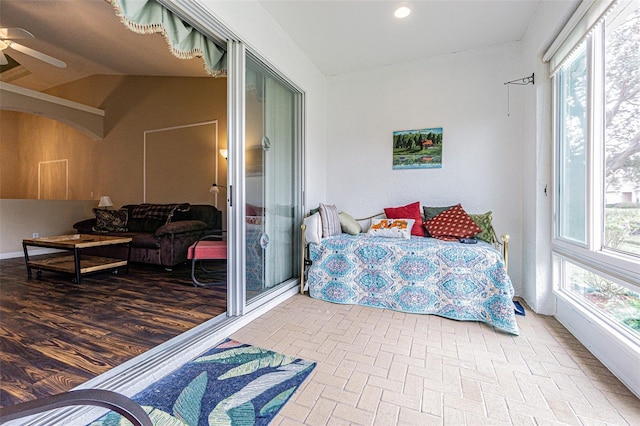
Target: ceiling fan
x,y
7,35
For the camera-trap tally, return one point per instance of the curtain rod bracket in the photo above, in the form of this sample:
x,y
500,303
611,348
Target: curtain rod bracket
x,y
522,81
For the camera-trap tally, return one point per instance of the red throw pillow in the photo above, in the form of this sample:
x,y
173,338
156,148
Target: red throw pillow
x,y
452,224
410,211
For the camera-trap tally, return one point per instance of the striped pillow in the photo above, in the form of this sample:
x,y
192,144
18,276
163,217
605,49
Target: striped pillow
x,y
330,221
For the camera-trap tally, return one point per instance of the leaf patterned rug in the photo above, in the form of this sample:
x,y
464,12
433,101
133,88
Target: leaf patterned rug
x,y
232,384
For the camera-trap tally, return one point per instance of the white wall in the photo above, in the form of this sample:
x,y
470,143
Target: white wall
x,y
537,159
260,33
490,162
482,147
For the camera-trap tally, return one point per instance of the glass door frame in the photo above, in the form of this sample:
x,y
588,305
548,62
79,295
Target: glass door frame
x,y
237,304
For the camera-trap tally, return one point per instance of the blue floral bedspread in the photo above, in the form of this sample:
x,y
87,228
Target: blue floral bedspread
x,y
466,282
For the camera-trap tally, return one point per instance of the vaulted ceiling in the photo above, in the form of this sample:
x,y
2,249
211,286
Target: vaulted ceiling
x,y
87,35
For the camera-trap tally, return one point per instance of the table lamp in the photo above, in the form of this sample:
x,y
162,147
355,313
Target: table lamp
x,y
105,202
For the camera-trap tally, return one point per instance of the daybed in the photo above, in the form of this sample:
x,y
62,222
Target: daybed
x,y
419,274
162,233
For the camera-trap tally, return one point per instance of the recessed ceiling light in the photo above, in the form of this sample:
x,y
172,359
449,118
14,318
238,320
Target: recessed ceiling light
x,y
402,12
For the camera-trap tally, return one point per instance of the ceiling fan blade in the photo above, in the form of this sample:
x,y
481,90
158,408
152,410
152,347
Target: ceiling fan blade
x,y
3,59
14,33
38,55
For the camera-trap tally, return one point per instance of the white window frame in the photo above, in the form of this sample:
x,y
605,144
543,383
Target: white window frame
x,y
593,252
618,348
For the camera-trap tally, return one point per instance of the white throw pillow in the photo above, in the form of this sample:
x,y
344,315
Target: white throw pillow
x,y
391,228
313,231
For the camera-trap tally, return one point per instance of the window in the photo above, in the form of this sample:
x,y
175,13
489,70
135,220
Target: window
x,y
597,207
613,301
572,149
622,132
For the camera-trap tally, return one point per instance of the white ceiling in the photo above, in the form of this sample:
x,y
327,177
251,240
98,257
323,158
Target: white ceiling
x,y
348,36
338,36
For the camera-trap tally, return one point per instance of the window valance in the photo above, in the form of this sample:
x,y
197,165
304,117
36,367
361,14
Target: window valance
x,y
185,42
587,16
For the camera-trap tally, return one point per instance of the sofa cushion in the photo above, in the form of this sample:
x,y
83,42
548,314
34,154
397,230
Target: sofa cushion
x,y
151,224
180,214
180,227
144,240
208,214
149,217
156,211
85,226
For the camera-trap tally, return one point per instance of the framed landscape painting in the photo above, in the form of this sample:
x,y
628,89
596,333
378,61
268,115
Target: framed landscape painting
x,y
417,149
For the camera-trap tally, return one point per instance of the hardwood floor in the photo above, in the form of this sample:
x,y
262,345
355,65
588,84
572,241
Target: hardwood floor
x,y
56,334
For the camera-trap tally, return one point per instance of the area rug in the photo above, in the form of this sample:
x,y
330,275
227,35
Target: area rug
x,y
231,384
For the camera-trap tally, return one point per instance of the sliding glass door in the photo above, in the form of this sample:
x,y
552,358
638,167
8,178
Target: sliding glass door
x,y
272,180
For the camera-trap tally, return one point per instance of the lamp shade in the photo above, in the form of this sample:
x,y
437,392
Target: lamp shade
x,y
215,188
105,201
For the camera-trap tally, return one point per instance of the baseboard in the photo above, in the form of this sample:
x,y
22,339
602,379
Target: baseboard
x,y
614,350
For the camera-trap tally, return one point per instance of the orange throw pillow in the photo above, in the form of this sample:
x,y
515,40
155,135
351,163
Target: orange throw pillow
x,y
452,224
410,211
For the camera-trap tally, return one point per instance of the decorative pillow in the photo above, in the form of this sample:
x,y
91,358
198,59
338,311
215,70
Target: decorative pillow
x,y
111,220
330,220
253,220
157,212
313,231
410,211
486,227
452,224
391,228
429,213
179,213
348,224
151,223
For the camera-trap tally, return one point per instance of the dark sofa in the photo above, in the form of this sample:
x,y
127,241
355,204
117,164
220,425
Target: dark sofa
x,y
161,233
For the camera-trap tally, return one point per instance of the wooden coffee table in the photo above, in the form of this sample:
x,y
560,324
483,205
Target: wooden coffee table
x,y
75,263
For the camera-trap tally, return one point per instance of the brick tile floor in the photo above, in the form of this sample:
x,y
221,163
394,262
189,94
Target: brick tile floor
x,y
380,367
